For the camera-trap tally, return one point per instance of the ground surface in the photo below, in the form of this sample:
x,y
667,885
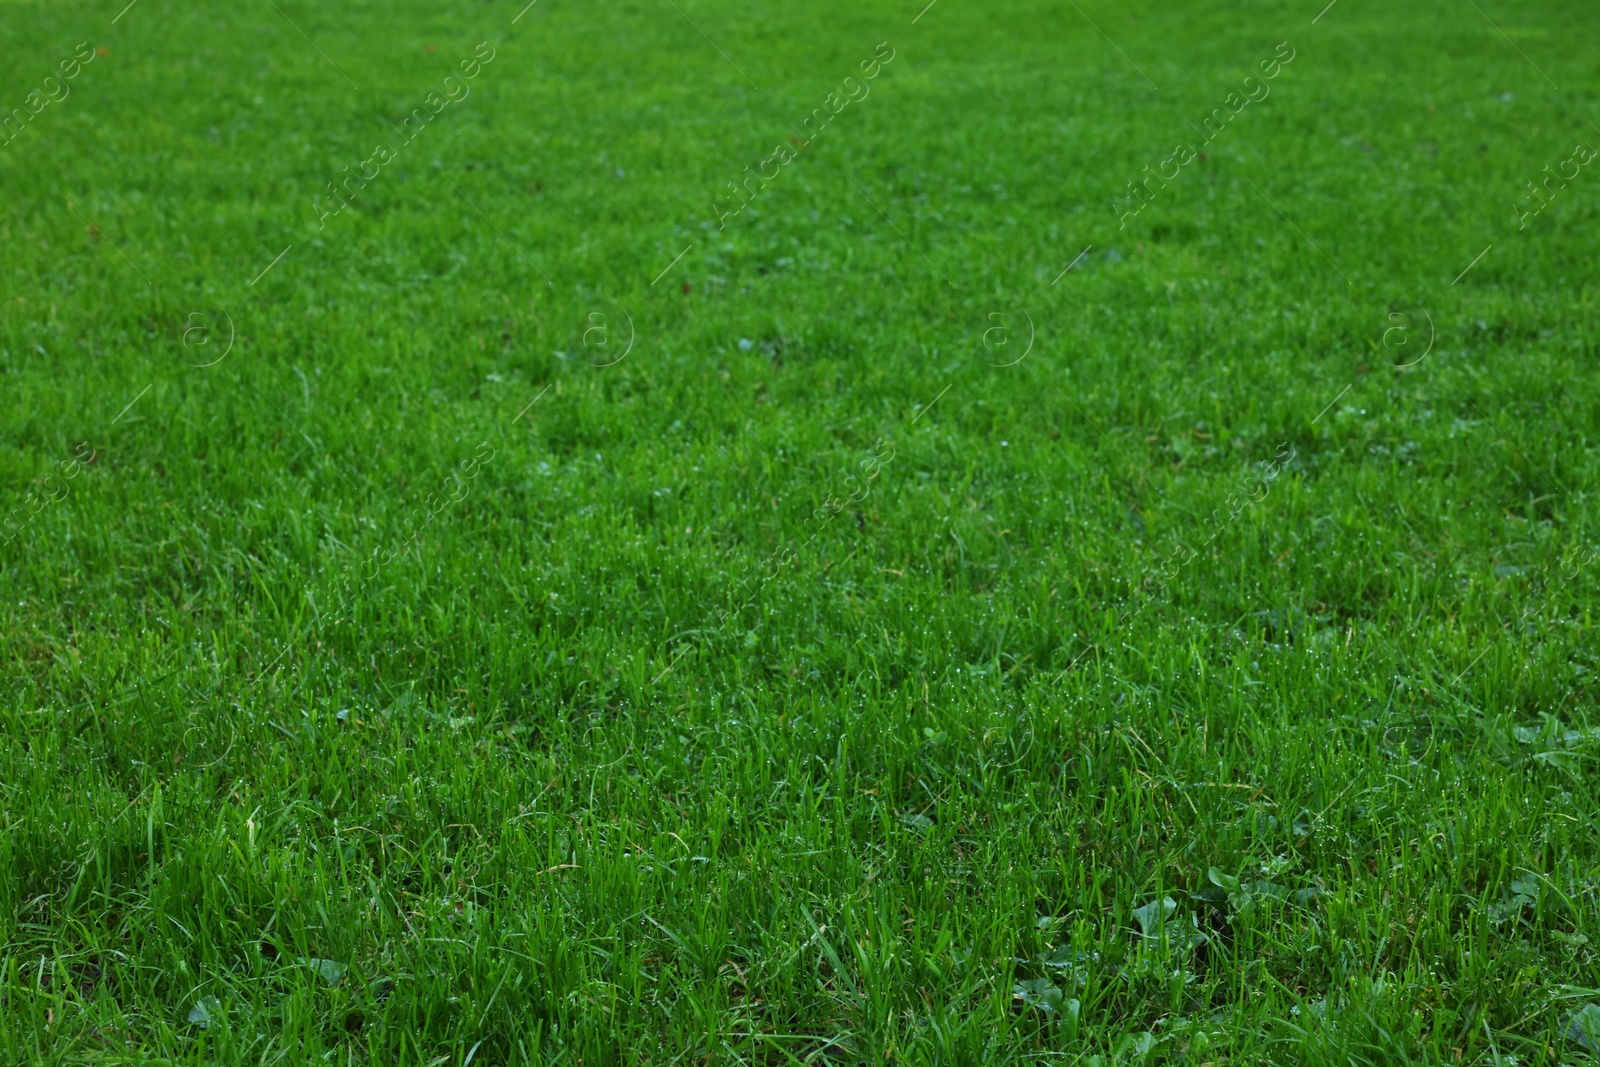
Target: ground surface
x,y
580,620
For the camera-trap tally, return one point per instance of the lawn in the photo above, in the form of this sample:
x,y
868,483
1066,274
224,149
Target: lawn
x,y
800,534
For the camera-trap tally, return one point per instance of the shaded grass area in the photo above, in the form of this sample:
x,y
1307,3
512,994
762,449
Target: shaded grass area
x,y
858,641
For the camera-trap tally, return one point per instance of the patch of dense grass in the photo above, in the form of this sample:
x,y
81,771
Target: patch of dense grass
x,y
854,640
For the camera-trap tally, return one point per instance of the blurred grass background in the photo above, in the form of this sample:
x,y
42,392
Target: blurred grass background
x,y
582,771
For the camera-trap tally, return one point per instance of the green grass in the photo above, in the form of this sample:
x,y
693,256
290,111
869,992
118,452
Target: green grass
x,y
824,680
